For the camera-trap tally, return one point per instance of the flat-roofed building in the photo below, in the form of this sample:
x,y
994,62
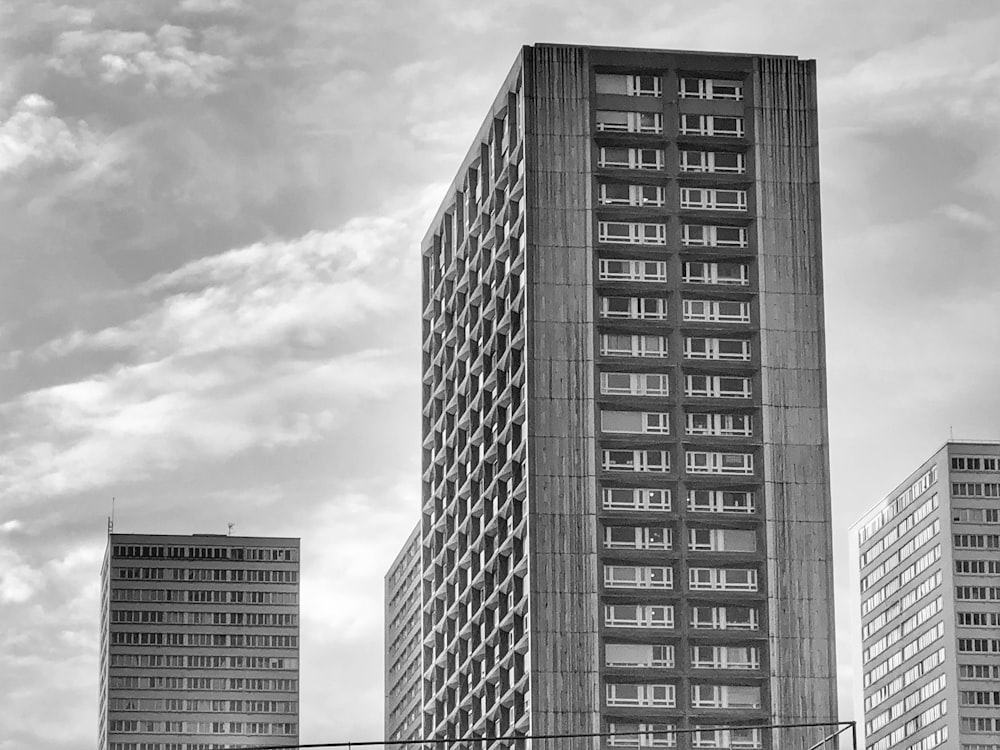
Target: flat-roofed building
x,y
927,564
199,642
403,719
626,509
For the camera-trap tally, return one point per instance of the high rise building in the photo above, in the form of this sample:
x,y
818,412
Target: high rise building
x,y
199,642
403,720
626,510
928,577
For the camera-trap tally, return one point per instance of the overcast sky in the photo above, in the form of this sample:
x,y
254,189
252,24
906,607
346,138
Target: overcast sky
x,y
210,213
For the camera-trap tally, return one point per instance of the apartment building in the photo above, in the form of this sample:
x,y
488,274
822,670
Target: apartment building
x,y
403,718
626,514
928,582
199,642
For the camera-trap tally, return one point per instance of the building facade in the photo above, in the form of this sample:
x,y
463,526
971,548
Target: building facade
x,y
928,580
199,642
626,512
403,719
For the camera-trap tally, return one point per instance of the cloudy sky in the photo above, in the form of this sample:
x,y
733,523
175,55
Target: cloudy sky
x,y
209,222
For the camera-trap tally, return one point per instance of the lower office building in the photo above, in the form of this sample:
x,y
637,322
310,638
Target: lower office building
x,y
199,642
928,567
402,643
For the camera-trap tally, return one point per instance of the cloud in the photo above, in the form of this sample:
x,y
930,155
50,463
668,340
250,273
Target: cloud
x,y
18,581
10,526
164,61
942,80
32,136
257,348
967,217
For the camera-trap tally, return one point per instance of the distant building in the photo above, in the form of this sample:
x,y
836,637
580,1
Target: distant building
x,y
927,560
199,642
626,505
402,643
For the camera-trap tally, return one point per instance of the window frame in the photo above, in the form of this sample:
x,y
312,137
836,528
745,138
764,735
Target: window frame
x,y
633,122
705,88
711,125
638,384
636,233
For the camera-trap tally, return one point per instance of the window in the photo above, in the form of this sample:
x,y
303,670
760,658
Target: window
x,y
712,161
725,696
979,671
722,274
977,541
614,121
720,349
976,515
742,738
725,657
634,498
632,233
634,384
975,463
720,501
655,461
638,655
703,235
653,616
716,311
711,88
634,308
713,199
724,618
661,696
638,577
975,489
722,540
709,462
614,269
626,345
628,85
717,386
723,425
638,735
637,537
640,422
722,579
630,158
622,194
715,125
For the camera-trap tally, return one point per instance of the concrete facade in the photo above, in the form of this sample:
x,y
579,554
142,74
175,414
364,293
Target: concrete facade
x,y
626,510
928,605
199,642
402,717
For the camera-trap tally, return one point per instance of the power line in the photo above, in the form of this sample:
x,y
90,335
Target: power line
x,y
843,727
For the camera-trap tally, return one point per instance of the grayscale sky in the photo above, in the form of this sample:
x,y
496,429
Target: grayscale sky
x,y
210,213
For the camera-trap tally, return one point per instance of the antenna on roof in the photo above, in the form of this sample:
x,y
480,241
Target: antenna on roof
x,y
111,518
230,525
951,430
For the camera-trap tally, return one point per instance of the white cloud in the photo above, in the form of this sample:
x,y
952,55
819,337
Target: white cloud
x,y
164,61
32,136
967,217
19,582
270,345
211,6
10,526
940,80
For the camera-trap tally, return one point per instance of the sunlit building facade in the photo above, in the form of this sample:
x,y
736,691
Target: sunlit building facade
x,y
928,580
626,514
199,642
